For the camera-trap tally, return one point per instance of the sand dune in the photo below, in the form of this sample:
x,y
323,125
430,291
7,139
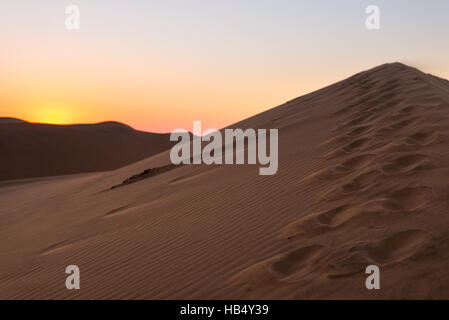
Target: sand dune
x,y
38,150
363,179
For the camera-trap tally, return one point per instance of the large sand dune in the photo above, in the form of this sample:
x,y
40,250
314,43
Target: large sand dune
x,y
30,150
363,179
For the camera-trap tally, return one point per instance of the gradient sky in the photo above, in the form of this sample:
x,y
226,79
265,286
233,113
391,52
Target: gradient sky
x,y
158,65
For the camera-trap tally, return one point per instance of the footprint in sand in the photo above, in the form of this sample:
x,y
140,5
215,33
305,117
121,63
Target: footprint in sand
x,y
398,247
395,248
423,138
356,145
407,163
279,268
359,130
412,198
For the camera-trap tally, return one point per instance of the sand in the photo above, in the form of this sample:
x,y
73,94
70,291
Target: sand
x,y
362,179
31,150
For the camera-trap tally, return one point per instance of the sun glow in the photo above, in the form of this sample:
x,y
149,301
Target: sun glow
x,y
54,114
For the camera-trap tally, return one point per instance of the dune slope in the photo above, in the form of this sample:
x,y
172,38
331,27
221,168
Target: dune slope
x,y
363,179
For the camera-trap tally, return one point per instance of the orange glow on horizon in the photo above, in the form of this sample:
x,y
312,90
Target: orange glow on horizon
x,y
157,69
53,114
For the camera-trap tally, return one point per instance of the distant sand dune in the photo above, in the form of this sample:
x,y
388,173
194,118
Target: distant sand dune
x,y
32,150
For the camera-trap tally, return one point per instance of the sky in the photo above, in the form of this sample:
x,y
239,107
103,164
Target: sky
x,y
159,65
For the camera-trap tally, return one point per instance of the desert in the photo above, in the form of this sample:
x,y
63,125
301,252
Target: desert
x,y
362,180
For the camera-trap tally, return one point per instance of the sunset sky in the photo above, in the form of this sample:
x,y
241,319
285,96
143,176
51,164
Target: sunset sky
x,y
158,65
